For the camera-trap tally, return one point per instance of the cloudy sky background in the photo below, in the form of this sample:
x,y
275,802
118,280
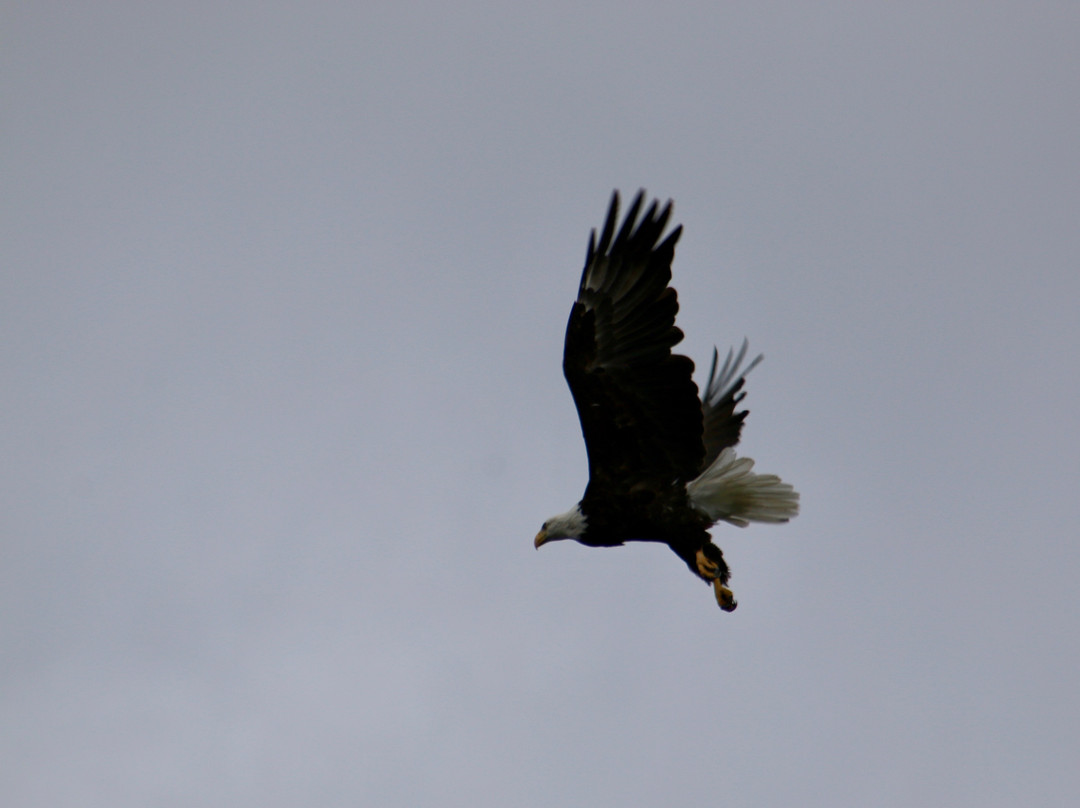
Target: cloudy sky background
x,y
281,307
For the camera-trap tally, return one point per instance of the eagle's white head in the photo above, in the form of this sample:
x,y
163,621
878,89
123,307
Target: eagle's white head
x,y
569,525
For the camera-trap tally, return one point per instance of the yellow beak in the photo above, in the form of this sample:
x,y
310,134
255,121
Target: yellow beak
x,y
541,537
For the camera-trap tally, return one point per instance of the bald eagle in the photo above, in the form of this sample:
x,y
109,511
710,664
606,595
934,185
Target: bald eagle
x,y
662,467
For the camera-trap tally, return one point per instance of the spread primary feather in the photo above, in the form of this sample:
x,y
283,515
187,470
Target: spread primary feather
x,y
662,467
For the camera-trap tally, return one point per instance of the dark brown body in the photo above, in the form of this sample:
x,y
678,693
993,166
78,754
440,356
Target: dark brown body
x,y
651,514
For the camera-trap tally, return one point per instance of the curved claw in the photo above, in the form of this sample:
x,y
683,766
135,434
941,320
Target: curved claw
x,y
724,597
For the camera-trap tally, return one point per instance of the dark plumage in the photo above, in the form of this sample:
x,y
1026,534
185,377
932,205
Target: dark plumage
x,y
658,469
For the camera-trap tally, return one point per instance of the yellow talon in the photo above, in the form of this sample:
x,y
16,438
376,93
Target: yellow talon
x,y
725,597
707,568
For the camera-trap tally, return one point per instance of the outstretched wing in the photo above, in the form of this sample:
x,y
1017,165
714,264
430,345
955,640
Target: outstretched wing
x,y
722,424
639,407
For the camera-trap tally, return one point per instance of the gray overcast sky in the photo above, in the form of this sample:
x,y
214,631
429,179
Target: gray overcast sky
x,y
281,405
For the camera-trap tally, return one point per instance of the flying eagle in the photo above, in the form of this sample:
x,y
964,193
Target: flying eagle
x,y
662,467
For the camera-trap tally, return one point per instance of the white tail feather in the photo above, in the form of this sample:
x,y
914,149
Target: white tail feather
x,y
728,490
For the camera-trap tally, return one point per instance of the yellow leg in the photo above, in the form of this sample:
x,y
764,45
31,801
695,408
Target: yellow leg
x,y
724,596
710,571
